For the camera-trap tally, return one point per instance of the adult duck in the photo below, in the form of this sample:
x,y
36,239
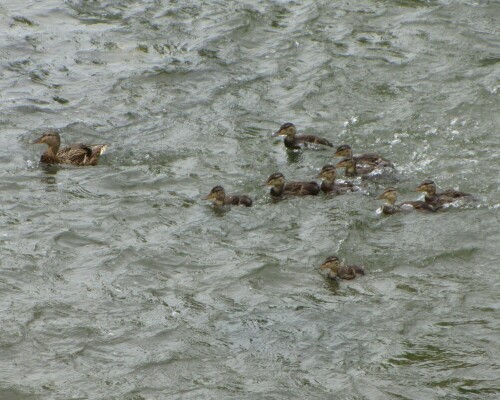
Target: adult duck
x,y
76,154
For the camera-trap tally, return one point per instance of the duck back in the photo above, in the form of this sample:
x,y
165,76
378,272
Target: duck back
x,y
301,188
238,200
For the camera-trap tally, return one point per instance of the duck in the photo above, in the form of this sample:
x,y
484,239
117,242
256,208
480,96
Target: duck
x,y
352,169
219,198
75,154
329,186
391,195
332,268
294,141
345,151
279,188
439,199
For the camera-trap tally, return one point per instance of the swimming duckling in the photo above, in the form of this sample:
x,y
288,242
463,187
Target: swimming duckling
x,y
293,141
368,158
279,188
328,174
333,269
439,199
352,169
218,197
76,154
391,195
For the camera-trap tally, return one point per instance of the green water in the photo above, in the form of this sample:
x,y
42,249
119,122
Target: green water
x,y
119,282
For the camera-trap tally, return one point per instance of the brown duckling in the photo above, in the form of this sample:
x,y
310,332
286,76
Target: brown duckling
x,y
219,198
328,174
368,158
279,188
332,268
439,199
294,141
76,154
391,195
352,169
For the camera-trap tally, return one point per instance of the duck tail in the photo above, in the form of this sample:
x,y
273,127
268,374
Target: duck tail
x,y
99,149
359,270
96,150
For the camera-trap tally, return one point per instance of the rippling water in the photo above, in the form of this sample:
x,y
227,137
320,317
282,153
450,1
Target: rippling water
x,y
119,282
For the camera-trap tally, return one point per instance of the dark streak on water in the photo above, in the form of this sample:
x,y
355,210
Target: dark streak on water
x,y
118,282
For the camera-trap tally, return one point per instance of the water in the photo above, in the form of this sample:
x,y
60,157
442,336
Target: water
x,y
119,282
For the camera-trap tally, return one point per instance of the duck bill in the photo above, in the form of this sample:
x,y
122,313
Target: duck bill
x,y
381,197
420,189
340,165
207,197
38,141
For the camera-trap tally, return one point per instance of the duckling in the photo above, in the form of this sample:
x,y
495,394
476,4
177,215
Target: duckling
x,y
279,188
328,174
332,268
391,195
293,141
368,158
352,169
439,199
76,154
219,198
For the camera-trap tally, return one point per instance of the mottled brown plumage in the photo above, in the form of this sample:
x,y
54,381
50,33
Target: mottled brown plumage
x,y
279,188
76,154
219,198
391,195
294,141
352,169
328,174
368,158
439,199
332,268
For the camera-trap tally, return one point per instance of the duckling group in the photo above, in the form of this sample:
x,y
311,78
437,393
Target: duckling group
x,y
355,165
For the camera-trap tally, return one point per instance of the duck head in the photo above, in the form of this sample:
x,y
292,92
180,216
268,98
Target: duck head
x,y
328,173
390,195
427,186
216,195
343,151
276,180
331,265
50,138
348,163
287,129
